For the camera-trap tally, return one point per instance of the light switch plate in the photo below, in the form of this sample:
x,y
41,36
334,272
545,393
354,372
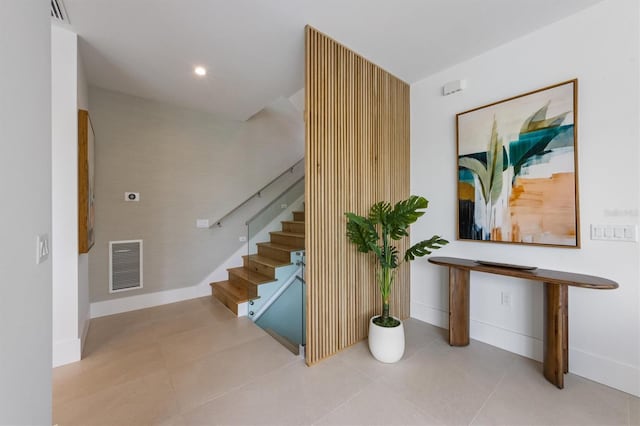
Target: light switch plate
x,y
615,232
42,248
202,223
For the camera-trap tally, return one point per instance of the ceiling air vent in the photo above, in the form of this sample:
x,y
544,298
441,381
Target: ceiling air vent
x,y
125,265
58,12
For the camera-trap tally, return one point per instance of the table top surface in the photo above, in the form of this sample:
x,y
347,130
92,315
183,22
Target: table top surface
x,y
545,275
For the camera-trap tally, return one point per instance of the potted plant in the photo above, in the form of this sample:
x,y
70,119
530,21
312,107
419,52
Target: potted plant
x,y
376,234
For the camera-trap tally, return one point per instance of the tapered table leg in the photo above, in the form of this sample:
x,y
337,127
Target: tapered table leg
x,y
555,298
458,307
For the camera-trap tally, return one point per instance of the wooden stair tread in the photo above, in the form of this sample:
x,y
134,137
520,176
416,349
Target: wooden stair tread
x,y
237,294
280,247
243,282
287,234
251,276
267,261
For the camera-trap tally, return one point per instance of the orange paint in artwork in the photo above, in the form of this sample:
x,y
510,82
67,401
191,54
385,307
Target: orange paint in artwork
x,y
543,208
466,191
496,234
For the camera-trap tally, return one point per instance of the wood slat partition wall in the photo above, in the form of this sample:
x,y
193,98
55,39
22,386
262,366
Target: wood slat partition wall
x,y
357,153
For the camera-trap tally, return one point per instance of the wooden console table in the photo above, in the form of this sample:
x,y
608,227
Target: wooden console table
x,y
556,303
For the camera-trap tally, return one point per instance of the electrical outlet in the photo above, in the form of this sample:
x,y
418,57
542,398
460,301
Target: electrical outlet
x,y
505,298
283,206
242,239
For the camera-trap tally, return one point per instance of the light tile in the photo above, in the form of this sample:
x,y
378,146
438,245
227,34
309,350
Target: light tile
x,y
152,324
434,380
199,382
189,346
143,401
525,397
418,335
377,405
104,331
73,381
175,420
485,363
294,395
194,362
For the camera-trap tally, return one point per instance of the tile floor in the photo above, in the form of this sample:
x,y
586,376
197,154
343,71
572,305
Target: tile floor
x,y
194,363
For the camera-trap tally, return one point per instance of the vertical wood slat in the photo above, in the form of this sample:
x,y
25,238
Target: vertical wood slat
x,y
357,153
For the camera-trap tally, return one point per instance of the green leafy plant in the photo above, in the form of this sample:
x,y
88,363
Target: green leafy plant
x,y
376,233
489,174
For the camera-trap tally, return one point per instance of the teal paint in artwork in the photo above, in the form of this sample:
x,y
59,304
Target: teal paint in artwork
x,y
465,175
534,143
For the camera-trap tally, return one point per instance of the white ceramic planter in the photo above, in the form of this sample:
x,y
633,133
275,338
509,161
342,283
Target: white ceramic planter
x,y
386,343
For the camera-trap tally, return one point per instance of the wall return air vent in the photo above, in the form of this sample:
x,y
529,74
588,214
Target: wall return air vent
x,y
125,265
58,11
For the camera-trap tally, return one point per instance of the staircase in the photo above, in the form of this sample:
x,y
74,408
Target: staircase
x,y
243,283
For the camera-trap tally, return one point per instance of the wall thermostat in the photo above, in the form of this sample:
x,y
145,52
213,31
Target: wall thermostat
x,y
132,196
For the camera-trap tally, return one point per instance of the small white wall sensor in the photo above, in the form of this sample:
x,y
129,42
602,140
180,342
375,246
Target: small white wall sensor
x,y
453,87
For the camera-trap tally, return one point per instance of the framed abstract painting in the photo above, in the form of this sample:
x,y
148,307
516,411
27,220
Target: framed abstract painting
x,y
518,169
86,182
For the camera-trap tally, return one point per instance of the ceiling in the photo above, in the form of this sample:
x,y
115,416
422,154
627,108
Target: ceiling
x,y
254,49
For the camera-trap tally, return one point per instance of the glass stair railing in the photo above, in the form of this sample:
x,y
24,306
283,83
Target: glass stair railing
x,y
275,237
284,316
280,210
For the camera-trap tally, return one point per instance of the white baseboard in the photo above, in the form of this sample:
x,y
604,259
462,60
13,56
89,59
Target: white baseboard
x,y
66,351
85,330
148,300
605,370
429,315
508,340
593,367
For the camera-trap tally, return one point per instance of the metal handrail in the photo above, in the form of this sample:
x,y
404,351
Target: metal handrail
x,y
257,193
271,203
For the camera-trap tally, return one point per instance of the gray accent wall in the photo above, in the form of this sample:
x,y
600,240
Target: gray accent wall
x,y
25,190
186,165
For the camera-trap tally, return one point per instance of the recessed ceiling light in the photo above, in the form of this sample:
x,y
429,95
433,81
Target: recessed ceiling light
x,y
201,71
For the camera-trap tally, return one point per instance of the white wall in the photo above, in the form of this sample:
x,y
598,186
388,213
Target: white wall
x,y
186,165
83,259
70,271
600,47
25,190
